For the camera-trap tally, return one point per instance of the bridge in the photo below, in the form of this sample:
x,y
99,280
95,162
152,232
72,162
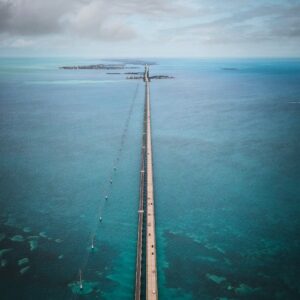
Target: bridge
x,y
146,269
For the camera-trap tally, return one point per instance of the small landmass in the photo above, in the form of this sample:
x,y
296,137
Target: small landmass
x,y
161,77
134,77
150,77
95,67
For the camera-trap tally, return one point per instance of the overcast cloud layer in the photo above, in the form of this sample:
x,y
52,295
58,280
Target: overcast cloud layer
x,y
150,27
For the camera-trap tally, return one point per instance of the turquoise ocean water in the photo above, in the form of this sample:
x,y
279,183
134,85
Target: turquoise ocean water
x,y
226,165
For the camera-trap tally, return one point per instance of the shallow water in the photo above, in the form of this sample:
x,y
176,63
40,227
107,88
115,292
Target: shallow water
x,y
226,164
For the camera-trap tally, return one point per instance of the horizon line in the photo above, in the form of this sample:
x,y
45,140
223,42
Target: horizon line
x,y
150,57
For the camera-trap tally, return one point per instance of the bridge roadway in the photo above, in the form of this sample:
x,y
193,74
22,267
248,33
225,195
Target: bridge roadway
x,y
151,269
146,190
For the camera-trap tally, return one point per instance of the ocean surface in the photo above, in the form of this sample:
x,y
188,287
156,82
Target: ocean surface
x,y
226,142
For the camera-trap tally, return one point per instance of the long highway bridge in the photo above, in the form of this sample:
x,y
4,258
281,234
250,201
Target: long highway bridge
x,y
146,269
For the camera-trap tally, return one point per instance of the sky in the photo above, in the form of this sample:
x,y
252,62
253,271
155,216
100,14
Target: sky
x,y
150,28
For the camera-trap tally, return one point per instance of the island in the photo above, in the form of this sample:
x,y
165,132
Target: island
x,y
151,77
96,67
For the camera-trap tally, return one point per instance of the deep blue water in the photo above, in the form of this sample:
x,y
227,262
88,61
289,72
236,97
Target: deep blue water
x,y
226,165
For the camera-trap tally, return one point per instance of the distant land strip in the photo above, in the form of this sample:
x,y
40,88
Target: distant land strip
x,y
120,66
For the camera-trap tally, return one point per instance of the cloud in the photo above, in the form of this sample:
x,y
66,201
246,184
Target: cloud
x,y
142,25
5,13
16,43
99,21
263,22
32,17
107,19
